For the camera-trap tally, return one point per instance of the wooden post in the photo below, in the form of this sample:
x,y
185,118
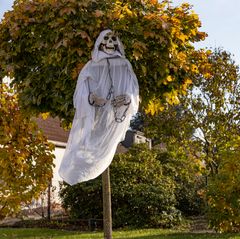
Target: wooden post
x,y
107,210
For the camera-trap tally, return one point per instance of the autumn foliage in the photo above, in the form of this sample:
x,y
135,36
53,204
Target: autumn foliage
x,y
45,43
26,157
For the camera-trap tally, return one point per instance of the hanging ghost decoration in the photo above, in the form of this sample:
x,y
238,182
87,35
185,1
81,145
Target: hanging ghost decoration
x,y
106,97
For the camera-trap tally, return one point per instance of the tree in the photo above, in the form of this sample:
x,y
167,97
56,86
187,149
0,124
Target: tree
x,y
206,126
223,191
26,158
44,44
213,107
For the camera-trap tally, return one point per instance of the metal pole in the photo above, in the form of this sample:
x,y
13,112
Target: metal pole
x,y
107,211
49,201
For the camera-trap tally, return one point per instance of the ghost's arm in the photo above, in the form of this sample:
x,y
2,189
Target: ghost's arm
x,y
95,100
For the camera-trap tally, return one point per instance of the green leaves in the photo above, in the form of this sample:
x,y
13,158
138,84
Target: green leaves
x,y
142,192
44,44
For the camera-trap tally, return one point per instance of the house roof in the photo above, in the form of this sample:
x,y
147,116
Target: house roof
x,y
52,129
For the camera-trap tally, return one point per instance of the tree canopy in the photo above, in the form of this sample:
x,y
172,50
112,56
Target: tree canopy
x,y
45,43
26,157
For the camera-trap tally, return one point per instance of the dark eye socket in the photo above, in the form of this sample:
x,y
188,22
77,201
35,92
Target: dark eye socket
x,y
106,38
114,38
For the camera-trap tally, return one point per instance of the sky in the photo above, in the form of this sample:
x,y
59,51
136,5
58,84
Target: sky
x,y
220,20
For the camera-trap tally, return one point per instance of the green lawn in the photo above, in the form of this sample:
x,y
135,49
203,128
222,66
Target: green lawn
x,y
137,234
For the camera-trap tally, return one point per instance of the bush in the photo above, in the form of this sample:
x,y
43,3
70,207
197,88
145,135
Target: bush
x,y
184,171
142,196
223,194
83,200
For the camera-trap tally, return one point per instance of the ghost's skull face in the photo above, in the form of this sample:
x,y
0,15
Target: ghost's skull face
x,y
109,43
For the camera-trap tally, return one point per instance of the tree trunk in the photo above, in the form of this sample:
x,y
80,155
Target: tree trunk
x,y
107,211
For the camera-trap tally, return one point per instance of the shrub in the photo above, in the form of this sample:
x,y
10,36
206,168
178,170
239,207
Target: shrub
x,y
223,194
141,194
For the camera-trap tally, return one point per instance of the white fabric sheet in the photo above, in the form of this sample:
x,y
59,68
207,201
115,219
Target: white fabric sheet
x,y
95,134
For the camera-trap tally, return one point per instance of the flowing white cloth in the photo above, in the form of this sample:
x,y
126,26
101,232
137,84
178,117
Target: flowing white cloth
x,y
95,134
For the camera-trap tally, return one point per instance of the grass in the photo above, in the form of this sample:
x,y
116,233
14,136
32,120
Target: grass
x,y
11,233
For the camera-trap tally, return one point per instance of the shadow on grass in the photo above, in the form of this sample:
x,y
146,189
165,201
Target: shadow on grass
x,y
34,233
135,234
189,236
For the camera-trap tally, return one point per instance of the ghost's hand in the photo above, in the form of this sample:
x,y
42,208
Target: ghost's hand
x,y
96,101
121,100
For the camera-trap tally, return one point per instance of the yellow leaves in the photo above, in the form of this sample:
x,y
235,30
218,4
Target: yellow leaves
x,y
208,52
179,35
45,115
194,68
168,79
154,106
187,81
137,55
144,70
25,158
182,37
121,10
207,75
182,57
194,16
172,97
128,11
222,193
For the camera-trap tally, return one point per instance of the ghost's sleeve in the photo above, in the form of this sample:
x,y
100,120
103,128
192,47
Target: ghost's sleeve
x,y
133,89
80,97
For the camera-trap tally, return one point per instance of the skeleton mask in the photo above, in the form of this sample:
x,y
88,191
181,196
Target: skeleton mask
x,y
109,43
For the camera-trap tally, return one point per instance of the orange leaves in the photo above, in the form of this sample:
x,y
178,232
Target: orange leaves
x,y
153,1
98,13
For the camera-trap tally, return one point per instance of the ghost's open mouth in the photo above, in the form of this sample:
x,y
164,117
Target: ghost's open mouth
x,y
110,47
